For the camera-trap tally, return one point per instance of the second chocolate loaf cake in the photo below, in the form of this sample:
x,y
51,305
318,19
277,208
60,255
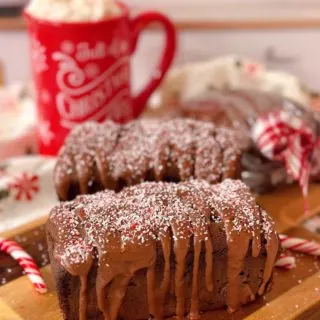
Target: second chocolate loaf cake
x,y
111,156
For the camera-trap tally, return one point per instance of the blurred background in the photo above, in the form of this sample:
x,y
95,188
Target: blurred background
x,y
282,34
236,61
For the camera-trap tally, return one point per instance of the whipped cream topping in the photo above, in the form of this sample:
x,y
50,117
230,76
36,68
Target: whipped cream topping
x,y
73,10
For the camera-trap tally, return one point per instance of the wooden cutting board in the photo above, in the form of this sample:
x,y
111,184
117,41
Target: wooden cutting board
x,y
295,294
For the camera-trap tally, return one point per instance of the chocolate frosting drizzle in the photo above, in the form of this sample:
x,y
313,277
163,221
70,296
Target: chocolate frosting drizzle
x,y
110,156
121,230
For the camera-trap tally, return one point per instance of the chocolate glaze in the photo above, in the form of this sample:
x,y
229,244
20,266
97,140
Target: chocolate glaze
x,y
121,231
110,156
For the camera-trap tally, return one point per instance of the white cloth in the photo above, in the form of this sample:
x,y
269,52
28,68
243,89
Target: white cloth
x,y
26,190
196,79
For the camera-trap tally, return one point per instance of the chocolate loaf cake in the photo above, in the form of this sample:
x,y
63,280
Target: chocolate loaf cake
x,y
160,249
111,156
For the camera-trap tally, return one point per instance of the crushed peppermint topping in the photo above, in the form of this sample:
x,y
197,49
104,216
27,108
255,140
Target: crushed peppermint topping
x,y
148,211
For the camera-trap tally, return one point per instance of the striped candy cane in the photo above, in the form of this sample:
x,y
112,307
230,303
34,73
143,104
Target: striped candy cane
x,y
286,262
300,245
26,262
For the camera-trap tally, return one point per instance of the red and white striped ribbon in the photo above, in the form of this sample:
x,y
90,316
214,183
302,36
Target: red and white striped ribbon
x,y
281,136
26,262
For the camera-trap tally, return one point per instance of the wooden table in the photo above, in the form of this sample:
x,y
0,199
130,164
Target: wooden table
x,y
295,295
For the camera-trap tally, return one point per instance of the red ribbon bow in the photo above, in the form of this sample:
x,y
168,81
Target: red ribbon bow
x,y
283,137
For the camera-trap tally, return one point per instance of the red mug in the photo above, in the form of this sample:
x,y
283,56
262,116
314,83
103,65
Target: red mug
x,y
82,71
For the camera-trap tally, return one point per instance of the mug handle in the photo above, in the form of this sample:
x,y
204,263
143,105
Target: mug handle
x,y
138,24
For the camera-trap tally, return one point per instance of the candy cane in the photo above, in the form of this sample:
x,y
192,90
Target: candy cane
x,y
286,262
26,262
300,245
